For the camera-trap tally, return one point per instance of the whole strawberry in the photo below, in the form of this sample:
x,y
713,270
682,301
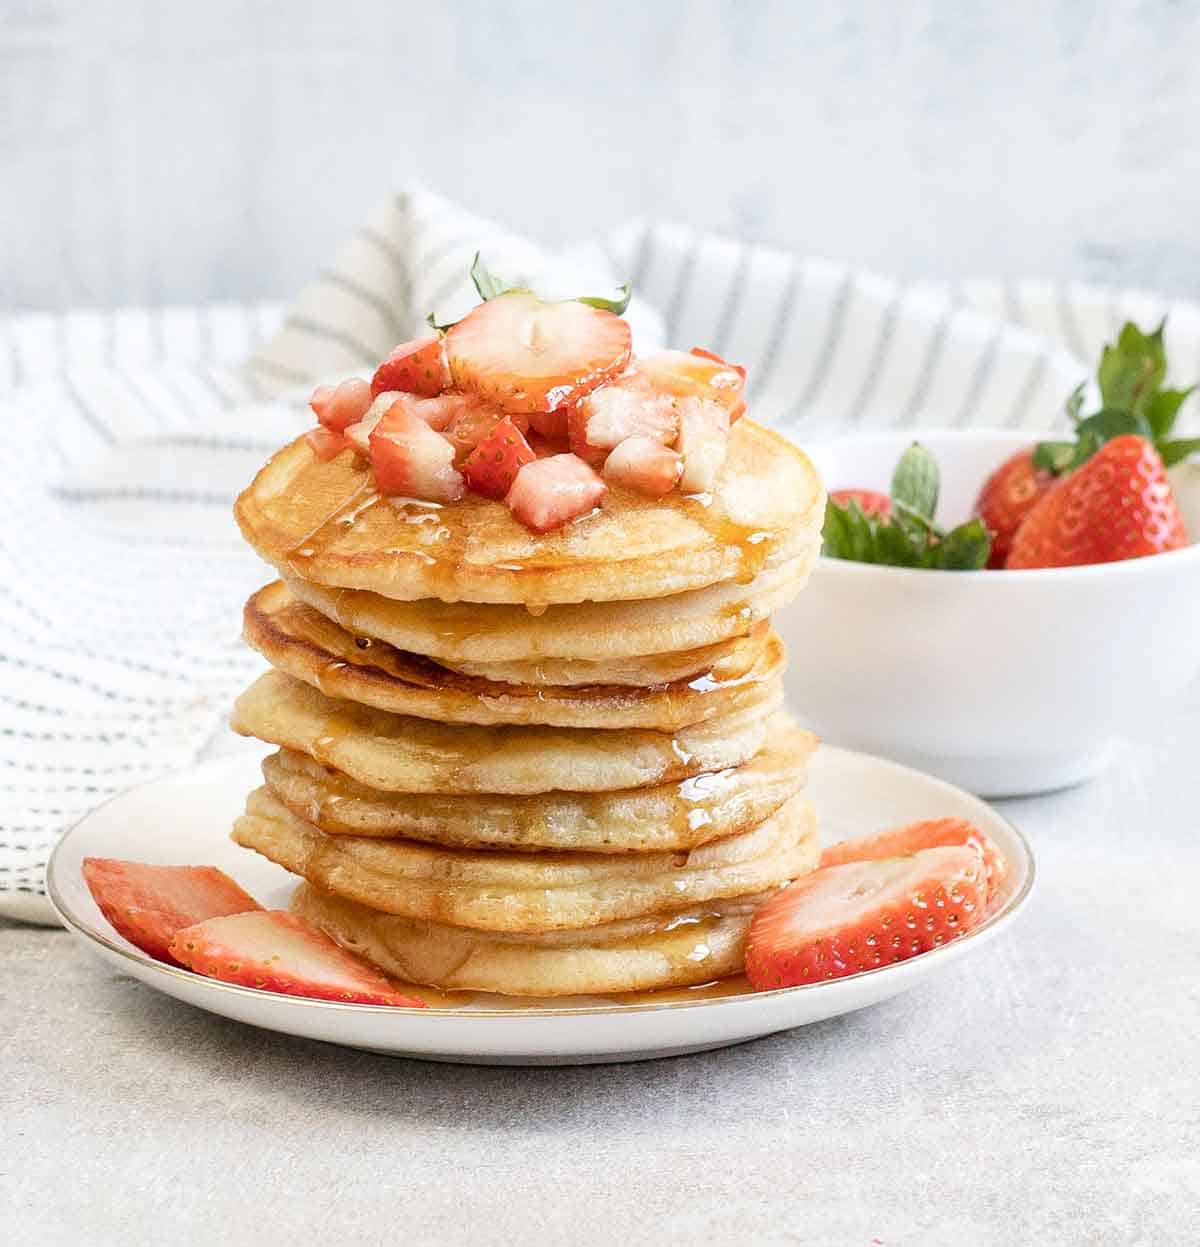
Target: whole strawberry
x,y
1007,497
1117,505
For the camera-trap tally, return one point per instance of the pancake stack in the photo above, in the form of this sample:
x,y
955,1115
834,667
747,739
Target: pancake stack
x,y
532,764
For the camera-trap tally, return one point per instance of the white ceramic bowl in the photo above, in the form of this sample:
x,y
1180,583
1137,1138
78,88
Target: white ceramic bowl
x,y
1005,683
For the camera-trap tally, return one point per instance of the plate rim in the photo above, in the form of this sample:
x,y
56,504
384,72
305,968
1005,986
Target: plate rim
x,y
77,926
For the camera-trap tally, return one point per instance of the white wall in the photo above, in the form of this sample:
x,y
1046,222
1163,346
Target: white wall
x,y
179,150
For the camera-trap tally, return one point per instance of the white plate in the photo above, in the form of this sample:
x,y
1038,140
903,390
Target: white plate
x,y
185,819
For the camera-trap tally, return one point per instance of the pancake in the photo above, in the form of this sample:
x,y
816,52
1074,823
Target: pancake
x,y
301,641
693,946
588,643
492,890
328,525
400,753
667,817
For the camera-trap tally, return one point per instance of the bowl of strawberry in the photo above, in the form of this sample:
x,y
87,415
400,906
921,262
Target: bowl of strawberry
x,y
1003,611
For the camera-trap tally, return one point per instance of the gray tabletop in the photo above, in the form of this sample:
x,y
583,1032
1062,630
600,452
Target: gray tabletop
x,y
1045,1090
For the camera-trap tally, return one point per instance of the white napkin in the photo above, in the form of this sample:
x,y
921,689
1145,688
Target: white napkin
x,y
126,436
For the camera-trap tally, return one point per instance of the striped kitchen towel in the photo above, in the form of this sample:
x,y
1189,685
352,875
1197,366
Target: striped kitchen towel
x,y
126,435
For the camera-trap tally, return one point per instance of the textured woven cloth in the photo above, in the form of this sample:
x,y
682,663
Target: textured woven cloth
x,y
126,436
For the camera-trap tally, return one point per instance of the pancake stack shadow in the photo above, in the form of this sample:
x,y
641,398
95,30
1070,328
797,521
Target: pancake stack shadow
x,y
489,782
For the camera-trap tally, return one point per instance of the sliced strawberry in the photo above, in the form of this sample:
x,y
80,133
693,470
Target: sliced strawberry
x,y
645,466
325,443
870,501
1007,497
279,952
842,920
411,460
703,440
149,904
912,838
338,407
696,374
417,367
629,407
549,492
493,465
527,356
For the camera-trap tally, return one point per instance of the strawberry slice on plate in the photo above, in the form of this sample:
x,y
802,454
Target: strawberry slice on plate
x,y
913,837
411,460
148,904
549,493
417,367
279,952
529,356
493,465
842,920
644,465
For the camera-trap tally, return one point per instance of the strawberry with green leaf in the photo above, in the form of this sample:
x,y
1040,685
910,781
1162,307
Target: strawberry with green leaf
x,y
1133,399
904,534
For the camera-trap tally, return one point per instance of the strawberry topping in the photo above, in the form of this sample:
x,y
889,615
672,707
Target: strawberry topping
x,y
548,493
338,407
412,460
645,466
529,356
492,466
417,367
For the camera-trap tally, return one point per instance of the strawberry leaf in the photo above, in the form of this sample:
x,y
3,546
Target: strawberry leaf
x,y
616,306
962,549
1074,403
1054,457
1179,450
1132,369
487,285
915,482
1162,409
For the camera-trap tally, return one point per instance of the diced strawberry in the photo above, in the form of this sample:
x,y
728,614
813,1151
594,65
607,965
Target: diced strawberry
x,y
870,501
644,465
696,374
411,460
474,421
279,952
338,407
912,838
629,407
326,444
149,904
703,439
526,355
550,424
417,367
577,423
493,465
544,447
549,492
843,920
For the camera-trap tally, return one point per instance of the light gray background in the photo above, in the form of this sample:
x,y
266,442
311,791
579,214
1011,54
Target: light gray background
x,y
164,150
